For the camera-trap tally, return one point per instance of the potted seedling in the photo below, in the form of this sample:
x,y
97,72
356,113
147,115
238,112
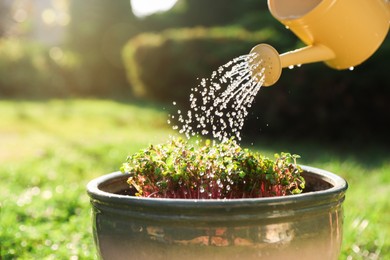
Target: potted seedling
x,y
212,200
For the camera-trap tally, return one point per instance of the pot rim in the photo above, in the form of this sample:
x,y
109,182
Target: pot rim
x,y
339,184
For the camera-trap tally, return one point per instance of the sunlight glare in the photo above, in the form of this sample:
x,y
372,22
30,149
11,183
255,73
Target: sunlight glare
x,y
142,8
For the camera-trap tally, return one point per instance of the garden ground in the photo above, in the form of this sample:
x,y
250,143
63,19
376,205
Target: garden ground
x,y
49,150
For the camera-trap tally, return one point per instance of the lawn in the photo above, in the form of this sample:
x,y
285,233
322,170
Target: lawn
x,y
49,151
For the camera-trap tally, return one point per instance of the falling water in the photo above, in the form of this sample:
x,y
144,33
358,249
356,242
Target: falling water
x,y
219,104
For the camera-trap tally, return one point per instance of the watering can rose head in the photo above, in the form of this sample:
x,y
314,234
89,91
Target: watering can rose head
x,y
178,169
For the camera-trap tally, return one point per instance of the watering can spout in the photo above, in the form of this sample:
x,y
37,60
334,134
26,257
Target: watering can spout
x,y
309,54
266,63
342,33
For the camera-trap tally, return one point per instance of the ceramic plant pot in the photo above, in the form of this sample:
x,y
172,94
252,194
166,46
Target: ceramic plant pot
x,y
304,226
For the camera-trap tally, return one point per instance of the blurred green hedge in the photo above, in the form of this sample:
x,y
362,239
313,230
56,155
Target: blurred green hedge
x,y
29,69
167,65
311,100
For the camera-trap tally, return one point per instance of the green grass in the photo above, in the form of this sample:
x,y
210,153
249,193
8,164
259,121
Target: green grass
x,y
50,150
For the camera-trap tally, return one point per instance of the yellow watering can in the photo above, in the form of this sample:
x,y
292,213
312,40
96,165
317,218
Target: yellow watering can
x,y
342,33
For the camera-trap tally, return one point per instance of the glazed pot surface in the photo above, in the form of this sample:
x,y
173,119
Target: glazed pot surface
x,y
291,227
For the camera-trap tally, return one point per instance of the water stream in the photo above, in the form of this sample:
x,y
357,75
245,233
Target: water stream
x,y
219,104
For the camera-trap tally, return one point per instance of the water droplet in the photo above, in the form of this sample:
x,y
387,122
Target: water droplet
x,y
136,228
351,68
220,102
291,67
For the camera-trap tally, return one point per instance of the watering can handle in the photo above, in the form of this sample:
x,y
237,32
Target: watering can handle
x,y
335,45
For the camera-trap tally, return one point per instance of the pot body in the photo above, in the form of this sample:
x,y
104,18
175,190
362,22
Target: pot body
x,y
304,226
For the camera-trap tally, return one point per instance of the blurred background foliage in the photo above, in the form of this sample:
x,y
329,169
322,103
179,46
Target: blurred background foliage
x,y
99,48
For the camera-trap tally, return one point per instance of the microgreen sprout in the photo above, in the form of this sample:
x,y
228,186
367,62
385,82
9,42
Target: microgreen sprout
x,y
211,170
